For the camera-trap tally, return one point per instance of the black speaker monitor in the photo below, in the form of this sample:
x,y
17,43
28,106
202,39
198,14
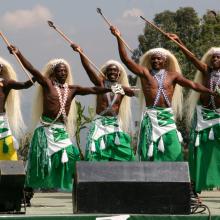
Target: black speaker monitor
x,y
12,177
132,187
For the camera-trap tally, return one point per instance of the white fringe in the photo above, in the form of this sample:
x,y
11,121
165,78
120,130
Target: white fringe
x,y
64,156
197,140
211,134
161,145
102,144
180,137
92,146
150,150
117,140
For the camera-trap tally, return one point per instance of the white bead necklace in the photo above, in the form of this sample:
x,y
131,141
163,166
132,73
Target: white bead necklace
x,y
62,100
214,79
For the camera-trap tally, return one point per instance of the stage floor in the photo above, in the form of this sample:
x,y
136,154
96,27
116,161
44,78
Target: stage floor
x,y
59,206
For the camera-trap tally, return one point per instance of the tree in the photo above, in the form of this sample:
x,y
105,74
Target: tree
x,y
198,34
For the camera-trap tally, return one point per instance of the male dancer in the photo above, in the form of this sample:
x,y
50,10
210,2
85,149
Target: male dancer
x,y
52,155
160,78
203,115
11,121
109,138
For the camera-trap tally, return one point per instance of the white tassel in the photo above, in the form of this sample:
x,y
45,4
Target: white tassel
x,y
15,143
102,144
150,150
161,145
92,146
211,134
197,140
64,157
180,137
117,140
49,163
26,166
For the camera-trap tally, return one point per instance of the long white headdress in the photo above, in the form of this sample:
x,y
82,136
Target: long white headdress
x,y
125,107
194,96
38,104
172,65
12,105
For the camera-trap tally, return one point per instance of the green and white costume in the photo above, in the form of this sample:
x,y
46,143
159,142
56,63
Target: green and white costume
x,y
52,157
8,144
204,149
159,139
107,142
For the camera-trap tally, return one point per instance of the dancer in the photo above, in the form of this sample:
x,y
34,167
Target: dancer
x,y
52,155
203,116
161,80
11,121
109,138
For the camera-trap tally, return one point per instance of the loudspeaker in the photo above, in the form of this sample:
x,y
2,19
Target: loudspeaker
x,y
132,187
12,177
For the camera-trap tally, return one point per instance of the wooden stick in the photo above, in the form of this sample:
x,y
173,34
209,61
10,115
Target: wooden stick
x,y
51,24
109,24
164,33
8,44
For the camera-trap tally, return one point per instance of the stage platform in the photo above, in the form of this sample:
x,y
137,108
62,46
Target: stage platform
x,y
58,206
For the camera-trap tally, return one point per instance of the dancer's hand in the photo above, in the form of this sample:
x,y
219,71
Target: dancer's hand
x,y
12,49
76,48
115,31
117,89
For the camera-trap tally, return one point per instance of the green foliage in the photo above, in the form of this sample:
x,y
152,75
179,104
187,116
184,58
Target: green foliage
x,y
198,34
24,146
81,122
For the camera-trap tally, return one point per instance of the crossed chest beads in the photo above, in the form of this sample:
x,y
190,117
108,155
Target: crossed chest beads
x,y
213,85
160,76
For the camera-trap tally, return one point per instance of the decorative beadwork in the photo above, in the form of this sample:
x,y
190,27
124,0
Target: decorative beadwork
x,y
160,75
214,82
62,99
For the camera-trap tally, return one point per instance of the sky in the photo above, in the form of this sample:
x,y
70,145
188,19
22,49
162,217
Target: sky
x,y
24,23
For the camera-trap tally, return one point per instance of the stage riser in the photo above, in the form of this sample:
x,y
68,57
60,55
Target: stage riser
x,y
137,188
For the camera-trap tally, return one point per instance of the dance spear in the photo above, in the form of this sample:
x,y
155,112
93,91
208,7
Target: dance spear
x,y
8,44
166,34
109,24
51,24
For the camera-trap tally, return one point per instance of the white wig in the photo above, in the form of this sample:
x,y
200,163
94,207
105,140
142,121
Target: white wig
x,y
38,104
12,105
172,65
125,107
194,96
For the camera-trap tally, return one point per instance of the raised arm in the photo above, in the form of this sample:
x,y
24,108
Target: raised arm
x,y
192,85
190,56
96,80
129,63
90,90
37,75
11,84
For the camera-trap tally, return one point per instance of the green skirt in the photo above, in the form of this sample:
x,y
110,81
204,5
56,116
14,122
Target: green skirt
x,y
204,160
44,171
117,144
172,146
